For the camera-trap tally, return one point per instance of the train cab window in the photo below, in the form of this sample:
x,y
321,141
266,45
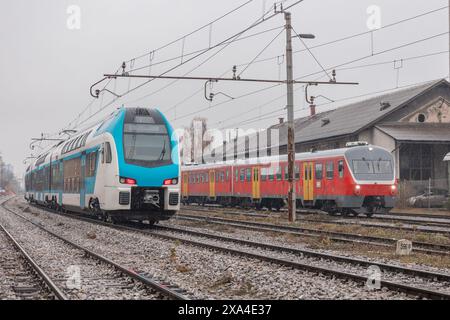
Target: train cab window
x,y
108,153
249,174
330,170
242,175
341,169
319,171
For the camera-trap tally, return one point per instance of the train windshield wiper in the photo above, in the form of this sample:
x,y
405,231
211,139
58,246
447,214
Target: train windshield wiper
x,y
163,151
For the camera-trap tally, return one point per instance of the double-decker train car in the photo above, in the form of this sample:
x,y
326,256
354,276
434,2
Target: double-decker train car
x,y
124,168
349,181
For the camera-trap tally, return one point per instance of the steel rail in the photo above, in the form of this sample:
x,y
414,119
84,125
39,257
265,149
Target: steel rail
x,y
35,267
168,290
423,247
306,252
422,292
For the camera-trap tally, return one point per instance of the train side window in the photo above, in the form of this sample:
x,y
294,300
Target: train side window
x,y
249,174
206,177
271,174
263,174
330,170
319,171
279,176
236,175
297,172
242,175
286,173
341,168
228,175
108,153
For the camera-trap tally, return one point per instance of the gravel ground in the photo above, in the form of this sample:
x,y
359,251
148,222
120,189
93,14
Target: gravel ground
x,y
325,219
61,262
17,279
206,273
397,277
264,237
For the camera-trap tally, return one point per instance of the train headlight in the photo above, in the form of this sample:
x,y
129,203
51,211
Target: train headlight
x,y
127,181
393,189
357,189
169,182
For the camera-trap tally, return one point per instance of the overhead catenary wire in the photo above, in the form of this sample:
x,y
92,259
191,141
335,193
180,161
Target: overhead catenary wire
x,y
347,38
353,35
311,53
261,52
280,113
193,32
330,68
258,22
267,59
152,52
338,69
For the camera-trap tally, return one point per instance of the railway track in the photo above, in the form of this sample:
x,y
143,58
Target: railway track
x,y
423,224
294,258
22,278
102,278
423,247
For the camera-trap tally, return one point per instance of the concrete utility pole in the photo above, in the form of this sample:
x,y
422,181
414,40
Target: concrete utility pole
x,y
290,113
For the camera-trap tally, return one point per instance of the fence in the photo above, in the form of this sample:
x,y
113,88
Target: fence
x,y
408,189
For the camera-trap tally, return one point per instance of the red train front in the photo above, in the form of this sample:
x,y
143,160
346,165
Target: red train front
x,y
347,181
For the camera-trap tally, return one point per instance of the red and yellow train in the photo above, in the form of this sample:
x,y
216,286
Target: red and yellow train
x,y
348,181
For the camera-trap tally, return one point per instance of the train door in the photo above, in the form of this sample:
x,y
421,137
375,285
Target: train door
x,y
82,181
185,184
212,184
308,181
256,184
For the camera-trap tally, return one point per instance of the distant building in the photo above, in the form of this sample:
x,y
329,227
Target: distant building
x,y
412,123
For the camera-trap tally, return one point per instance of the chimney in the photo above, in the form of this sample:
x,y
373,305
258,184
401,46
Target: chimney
x,y
281,120
312,107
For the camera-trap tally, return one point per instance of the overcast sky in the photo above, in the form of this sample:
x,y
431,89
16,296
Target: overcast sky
x,y
48,67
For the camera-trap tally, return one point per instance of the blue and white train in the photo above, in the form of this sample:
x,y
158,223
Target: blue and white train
x,y
124,168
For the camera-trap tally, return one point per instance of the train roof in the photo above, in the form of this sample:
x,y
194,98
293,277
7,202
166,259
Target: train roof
x,y
76,142
343,152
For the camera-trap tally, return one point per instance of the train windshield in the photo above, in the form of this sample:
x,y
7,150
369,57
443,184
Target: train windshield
x,y
372,167
371,164
146,142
